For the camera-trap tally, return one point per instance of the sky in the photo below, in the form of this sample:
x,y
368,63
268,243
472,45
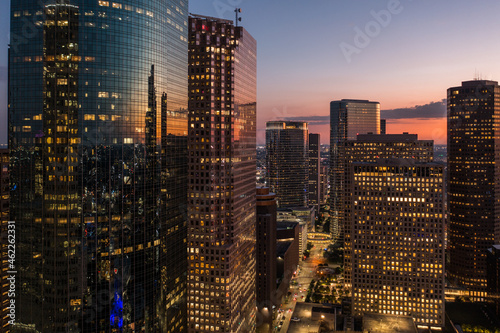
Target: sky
x,y
404,54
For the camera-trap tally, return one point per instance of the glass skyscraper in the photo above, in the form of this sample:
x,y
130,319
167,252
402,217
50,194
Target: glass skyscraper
x,y
222,166
348,118
287,162
473,186
98,139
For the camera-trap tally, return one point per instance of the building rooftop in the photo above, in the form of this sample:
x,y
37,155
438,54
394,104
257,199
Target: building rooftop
x,y
405,137
355,101
283,124
282,247
380,323
475,83
325,309
210,18
282,225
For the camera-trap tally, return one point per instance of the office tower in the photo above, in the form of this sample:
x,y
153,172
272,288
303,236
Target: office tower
x,y
323,184
397,230
371,148
266,253
4,239
287,153
287,251
98,139
222,168
473,171
383,126
314,170
348,118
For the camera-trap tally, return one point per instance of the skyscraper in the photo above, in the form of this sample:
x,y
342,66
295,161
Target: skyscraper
x,y
266,254
371,148
314,188
383,126
348,118
222,168
98,138
473,186
323,188
397,230
287,162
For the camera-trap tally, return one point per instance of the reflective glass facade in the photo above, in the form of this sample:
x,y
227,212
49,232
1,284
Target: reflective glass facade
x,y
222,166
473,186
287,162
98,136
348,118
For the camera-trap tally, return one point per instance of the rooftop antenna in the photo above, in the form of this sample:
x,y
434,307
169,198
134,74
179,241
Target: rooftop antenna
x,y
238,19
477,75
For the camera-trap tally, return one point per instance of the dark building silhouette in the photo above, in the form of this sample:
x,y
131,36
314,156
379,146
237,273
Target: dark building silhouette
x,y
383,128
266,254
287,252
493,274
348,118
98,167
473,187
222,166
287,162
314,171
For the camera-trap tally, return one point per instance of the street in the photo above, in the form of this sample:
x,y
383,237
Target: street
x,y
306,272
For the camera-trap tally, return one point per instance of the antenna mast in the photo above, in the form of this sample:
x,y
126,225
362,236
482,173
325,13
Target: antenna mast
x,y
238,19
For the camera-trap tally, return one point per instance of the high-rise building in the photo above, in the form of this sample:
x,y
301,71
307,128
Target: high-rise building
x,y
348,118
314,170
323,187
287,251
371,148
473,186
287,155
397,230
383,126
98,141
222,168
4,240
266,254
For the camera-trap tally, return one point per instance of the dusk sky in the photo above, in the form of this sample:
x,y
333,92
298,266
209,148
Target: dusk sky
x,y
312,52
